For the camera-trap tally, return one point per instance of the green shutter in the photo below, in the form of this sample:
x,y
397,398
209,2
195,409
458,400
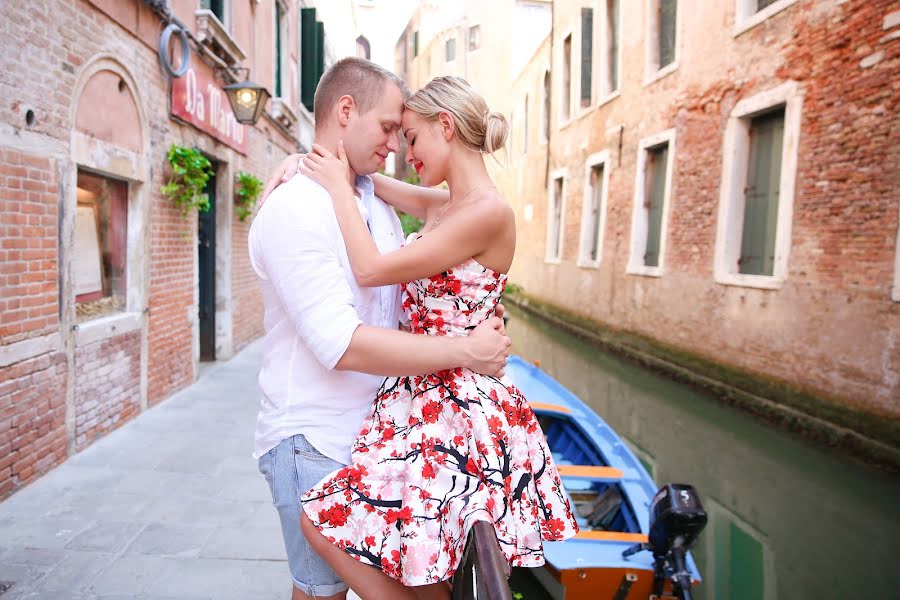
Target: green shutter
x,y
740,562
320,50
761,195
668,12
587,54
654,196
309,59
279,49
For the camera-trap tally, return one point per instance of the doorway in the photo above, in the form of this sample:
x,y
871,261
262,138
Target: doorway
x,y
206,258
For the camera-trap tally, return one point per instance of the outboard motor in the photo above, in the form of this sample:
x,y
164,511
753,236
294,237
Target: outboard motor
x,y
676,520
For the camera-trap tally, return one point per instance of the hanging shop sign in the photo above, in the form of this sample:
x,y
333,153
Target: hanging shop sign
x,y
200,101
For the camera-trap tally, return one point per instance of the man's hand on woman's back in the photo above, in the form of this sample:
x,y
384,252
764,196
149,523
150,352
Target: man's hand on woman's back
x,y
488,348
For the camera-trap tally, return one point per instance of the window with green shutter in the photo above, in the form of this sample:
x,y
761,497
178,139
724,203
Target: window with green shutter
x,y
761,195
320,50
309,57
587,54
654,197
279,48
667,13
740,562
216,6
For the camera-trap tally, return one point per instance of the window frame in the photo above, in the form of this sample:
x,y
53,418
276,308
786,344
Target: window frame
x,y
652,70
746,18
477,29
554,176
735,147
594,160
226,19
566,114
281,60
546,105
638,242
447,45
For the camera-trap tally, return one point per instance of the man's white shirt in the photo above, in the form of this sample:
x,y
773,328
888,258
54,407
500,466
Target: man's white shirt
x,y
312,307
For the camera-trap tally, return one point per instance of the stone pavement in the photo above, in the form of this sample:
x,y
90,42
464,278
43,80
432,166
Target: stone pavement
x,y
170,506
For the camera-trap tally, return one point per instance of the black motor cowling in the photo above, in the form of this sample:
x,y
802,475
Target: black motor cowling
x,y
676,520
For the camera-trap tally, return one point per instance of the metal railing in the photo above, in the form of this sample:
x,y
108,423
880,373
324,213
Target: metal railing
x,y
483,570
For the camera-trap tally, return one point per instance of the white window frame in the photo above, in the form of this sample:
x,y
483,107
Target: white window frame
x,y
602,71
554,175
284,26
746,17
476,28
639,223
545,114
652,71
563,118
895,293
446,42
594,160
736,148
578,110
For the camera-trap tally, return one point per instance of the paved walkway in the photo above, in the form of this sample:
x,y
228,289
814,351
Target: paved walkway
x,y
170,506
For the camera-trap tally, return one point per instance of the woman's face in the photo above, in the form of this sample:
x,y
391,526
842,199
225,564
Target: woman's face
x,y
427,149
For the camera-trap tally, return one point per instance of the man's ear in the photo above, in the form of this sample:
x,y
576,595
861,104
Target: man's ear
x,y
346,106
448,127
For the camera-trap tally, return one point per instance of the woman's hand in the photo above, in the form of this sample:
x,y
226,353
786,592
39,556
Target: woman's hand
x,y
330,171
283,172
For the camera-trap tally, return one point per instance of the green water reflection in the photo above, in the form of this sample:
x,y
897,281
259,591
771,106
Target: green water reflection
x,y
787,520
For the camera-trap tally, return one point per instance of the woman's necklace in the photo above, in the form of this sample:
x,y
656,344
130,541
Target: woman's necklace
x,y
437,219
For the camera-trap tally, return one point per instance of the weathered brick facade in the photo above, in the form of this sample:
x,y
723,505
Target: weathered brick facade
x,y
831,328
65,381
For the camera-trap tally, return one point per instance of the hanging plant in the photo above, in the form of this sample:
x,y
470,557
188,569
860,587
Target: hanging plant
x,y
190,172
248,190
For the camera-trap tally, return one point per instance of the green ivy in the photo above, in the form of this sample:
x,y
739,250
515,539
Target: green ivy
x,y
190,172
248,190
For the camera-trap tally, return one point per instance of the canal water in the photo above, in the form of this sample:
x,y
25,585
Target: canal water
x,y
786,520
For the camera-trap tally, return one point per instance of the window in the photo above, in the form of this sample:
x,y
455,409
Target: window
x,y
566,102
545,124
525,126
474,37
593,214
756,199
450,50
363,48
587,54
611,58
651,200
415,44
749,13
217,7
101,248
312,55
742,556
662,37
280,44
555,217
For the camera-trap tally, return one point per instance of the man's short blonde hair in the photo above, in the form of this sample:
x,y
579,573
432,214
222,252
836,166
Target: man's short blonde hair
x,y
359,78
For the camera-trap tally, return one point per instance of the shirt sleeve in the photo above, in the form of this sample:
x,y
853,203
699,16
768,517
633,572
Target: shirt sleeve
x,y
300,258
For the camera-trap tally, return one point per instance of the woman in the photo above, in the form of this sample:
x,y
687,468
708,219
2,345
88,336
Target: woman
x,y
442,451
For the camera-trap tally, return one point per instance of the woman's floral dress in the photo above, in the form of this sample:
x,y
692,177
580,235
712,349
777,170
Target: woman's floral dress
x,y
441,452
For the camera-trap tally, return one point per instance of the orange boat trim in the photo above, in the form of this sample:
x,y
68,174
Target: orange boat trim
x,y
548,406
612,536
589,472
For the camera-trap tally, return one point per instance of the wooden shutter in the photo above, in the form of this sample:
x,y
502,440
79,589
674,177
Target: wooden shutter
x,y
587,54
668,10
279,48
761,195
320,50
654,196
309,59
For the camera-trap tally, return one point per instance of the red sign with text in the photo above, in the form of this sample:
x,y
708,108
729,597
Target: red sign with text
x,y
197,99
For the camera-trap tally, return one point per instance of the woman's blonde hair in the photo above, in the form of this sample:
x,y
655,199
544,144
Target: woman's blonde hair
x,y
477,127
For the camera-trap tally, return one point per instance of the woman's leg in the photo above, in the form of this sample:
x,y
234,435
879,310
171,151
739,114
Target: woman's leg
x,y
435,591
370,583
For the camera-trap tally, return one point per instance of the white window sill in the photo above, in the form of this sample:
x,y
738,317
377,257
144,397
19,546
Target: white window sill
x,y
107,327
751,21
661,73
552,261
761,282
588,264
644,271
212,32
608,98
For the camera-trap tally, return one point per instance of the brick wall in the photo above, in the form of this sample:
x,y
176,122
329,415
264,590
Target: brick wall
x,y
107,386
831,329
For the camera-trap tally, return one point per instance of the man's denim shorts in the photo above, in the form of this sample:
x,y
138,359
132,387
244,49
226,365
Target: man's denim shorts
x,y
291,469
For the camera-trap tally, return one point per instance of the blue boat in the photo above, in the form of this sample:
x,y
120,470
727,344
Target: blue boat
x,y
616,503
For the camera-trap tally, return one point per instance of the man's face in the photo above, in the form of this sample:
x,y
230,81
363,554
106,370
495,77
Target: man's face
x,y
371,136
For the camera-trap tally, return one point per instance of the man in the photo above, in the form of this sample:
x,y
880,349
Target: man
x,y
329,342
